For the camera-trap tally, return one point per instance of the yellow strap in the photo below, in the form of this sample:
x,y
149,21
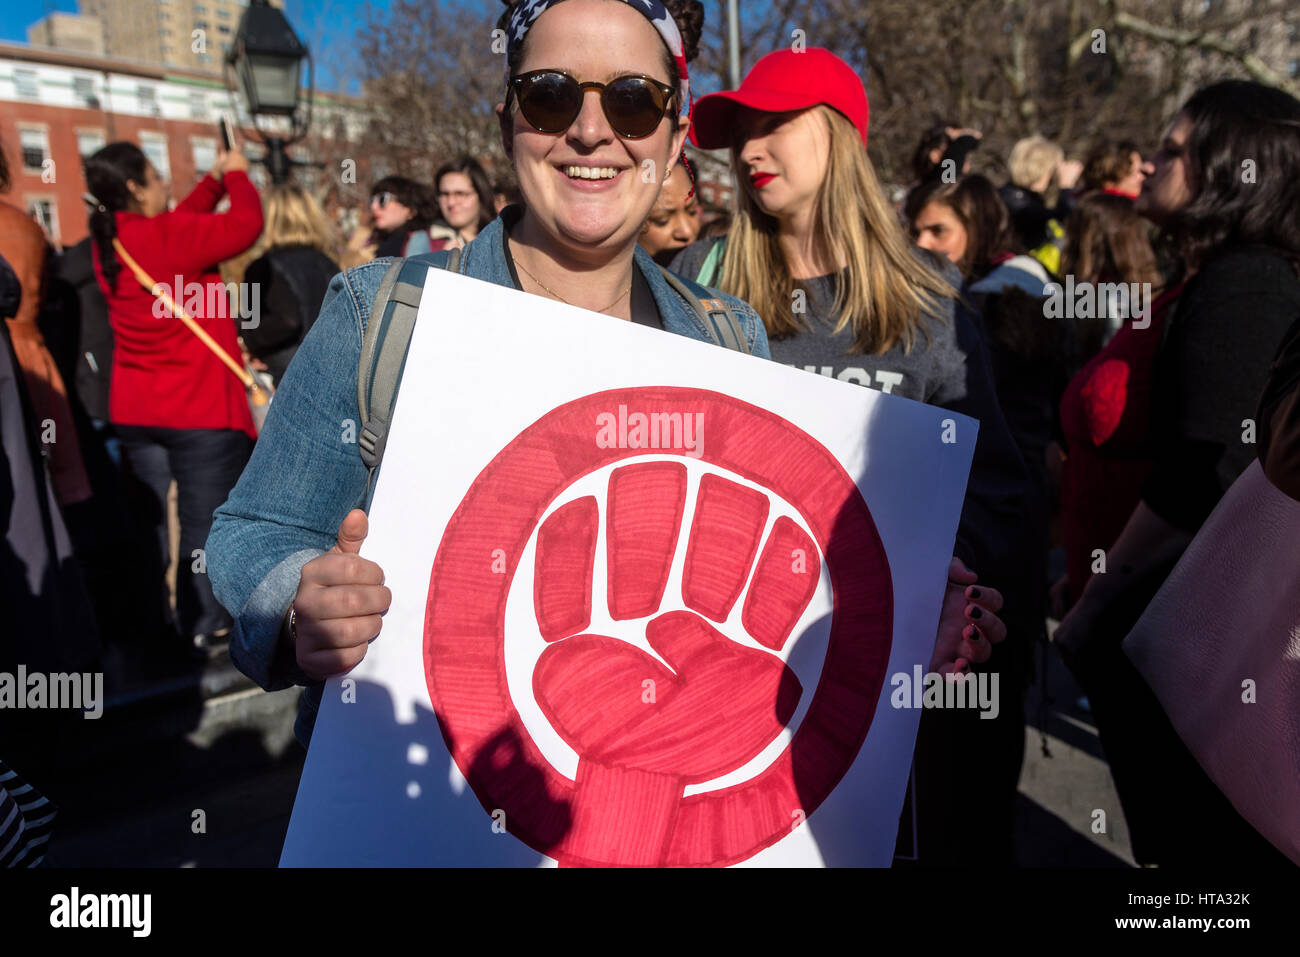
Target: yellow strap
x,y
161,292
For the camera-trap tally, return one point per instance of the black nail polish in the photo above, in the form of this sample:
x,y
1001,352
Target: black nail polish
x,y
973,592
977,613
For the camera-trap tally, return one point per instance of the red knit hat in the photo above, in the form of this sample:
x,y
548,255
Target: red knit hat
x,y
783,81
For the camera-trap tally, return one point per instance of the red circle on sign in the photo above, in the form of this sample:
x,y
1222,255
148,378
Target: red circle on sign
x,y
464,638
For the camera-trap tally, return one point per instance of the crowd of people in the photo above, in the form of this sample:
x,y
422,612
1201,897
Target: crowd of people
x,y
1112,423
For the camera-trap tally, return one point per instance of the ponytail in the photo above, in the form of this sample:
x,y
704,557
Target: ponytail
x,y
107,173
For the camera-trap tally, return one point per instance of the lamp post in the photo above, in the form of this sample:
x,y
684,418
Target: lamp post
x,y
265,62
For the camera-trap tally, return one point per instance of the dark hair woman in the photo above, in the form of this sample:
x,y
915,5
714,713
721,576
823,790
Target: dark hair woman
x,y
1106,241
280,547
943,153
402,210
1113,167
465,199
179,411
1225,188
968,223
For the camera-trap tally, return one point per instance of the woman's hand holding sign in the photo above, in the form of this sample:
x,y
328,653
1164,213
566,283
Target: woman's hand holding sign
x,y
340,603
968,624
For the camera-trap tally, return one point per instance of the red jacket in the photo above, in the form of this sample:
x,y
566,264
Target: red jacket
x,y
1106,418
163,375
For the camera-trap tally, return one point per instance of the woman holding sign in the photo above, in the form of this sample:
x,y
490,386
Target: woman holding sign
x,y
596,93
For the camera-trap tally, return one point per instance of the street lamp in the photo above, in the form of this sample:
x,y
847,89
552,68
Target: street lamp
x,y
266,62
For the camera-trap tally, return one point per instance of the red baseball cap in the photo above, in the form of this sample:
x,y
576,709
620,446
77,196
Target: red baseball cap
x,y
783,81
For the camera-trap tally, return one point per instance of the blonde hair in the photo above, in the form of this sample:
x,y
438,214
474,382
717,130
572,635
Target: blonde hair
x,y
293,218
1033,158
886,287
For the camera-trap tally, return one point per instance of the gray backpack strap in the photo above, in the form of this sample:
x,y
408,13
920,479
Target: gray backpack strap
x,y
384,348
720,322
370,341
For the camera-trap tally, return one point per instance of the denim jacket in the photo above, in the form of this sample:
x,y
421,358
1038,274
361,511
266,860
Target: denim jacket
x,y
306,472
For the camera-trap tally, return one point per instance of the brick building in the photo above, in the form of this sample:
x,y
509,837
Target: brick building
x,y
57,106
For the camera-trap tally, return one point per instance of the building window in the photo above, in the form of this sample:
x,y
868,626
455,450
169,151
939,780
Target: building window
x,y
46,213
89,141
25,84
204,151
35,144
154,147
147,97
83,87
199,106
224,30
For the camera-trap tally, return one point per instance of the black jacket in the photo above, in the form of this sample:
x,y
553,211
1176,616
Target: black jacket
x,y
94,360
1231,320
291,282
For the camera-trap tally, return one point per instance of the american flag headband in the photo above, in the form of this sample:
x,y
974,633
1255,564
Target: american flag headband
x,y
526,14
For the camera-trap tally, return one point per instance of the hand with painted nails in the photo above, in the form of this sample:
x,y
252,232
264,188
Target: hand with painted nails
x,y
969,625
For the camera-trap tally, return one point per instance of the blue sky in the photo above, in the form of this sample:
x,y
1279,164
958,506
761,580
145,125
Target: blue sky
x,y
328,27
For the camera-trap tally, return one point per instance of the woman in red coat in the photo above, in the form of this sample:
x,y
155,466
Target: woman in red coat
x,y
180,412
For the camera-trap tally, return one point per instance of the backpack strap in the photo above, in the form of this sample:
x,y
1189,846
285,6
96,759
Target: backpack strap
x,y
384,348
720,323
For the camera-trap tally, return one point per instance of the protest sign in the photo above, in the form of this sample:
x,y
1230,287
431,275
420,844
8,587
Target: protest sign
x,y
647,596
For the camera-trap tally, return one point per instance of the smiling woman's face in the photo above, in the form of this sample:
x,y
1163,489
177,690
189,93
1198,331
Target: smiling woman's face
x,y
591,40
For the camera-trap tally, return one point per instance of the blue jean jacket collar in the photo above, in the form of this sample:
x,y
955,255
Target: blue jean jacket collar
x,y
484,258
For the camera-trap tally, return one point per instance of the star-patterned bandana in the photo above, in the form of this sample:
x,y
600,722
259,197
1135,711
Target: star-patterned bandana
x,y
526,14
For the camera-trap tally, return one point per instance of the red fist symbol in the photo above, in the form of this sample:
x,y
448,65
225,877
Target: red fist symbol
x,y
719,693
642,729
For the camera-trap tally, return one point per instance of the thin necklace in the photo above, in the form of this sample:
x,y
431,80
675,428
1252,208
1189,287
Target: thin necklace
x,y
561,298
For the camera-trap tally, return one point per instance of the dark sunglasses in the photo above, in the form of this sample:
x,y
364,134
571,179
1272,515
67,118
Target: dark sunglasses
x,y
382,199
550,101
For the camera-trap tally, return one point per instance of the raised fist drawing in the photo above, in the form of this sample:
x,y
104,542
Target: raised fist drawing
x,y
638,623
716,696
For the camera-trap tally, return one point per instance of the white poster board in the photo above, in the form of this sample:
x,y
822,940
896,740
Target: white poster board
x,y
647,597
